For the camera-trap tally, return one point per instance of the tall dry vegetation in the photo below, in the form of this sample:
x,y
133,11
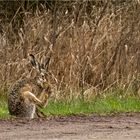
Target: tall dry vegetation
x,y
94,46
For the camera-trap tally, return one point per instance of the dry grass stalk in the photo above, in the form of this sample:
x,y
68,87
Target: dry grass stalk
x,y
82,56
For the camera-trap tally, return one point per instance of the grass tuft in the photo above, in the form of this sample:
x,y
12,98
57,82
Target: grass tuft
x,y
4,109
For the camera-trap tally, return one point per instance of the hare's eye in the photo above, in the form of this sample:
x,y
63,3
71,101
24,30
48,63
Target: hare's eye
x,y
43,77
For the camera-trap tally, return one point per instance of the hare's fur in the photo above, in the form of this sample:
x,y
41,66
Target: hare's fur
x,y
28,94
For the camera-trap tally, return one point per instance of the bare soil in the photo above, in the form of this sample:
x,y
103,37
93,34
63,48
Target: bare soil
x,y
115,127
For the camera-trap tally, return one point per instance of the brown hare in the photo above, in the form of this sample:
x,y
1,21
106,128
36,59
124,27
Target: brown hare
x,y
28,94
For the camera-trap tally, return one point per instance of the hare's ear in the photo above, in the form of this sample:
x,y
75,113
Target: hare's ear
x,y
34,62
45,62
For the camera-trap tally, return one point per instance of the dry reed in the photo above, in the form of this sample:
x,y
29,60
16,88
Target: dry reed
x,y
94,47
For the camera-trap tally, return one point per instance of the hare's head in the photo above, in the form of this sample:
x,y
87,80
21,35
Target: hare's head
x,y
41,69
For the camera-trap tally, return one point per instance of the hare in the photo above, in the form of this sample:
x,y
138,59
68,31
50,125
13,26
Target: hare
x,y
28,94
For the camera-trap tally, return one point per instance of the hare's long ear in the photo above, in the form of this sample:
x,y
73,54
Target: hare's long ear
x,y
45,62
34,62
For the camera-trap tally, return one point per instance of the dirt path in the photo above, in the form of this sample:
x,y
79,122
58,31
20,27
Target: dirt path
x,y
118,127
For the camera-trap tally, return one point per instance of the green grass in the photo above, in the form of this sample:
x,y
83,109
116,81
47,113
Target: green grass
x,y
102,106
3,109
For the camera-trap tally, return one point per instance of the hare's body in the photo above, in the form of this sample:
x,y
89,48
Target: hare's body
x,y
26,95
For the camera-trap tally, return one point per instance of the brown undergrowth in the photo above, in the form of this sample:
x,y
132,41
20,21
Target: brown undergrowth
x,y
94,46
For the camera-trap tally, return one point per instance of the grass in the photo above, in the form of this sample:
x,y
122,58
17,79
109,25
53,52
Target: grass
x,y
3,109
102,106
